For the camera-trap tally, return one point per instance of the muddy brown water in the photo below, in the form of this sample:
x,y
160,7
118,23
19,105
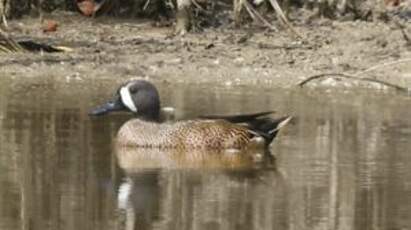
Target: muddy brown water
x,y
345,162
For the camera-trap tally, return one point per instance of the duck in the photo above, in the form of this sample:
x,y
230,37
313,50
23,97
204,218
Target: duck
x,y
209,132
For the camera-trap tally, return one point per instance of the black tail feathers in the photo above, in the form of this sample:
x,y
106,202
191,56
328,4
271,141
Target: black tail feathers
x,y
268,127
259,123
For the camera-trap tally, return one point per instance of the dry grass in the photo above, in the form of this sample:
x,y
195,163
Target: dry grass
x,y
8,45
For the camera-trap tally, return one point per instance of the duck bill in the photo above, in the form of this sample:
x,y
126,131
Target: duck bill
x,y
109,107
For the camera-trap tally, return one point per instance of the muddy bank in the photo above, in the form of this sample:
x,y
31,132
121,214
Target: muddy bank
x,y
107,48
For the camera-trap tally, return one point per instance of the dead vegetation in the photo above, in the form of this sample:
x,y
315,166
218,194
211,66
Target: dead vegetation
x,y
187,12
10,45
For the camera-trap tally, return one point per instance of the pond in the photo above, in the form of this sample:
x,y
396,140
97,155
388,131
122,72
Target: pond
x,y
344,162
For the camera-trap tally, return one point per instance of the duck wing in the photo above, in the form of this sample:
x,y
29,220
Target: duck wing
x,y
257,123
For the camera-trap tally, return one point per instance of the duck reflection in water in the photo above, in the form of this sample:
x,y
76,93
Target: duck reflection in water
x,y
173,190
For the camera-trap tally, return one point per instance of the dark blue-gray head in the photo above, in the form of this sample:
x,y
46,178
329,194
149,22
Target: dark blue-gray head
x,y
137,96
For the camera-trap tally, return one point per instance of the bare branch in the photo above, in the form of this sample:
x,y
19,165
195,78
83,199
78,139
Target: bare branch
x,y
254,13
404,32
382,65
352,77
283,18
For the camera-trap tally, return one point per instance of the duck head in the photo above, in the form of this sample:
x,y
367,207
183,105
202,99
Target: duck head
x,y
138,97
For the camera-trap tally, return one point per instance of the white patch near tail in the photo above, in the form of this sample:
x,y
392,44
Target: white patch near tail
x,y
123,194
127,99
258,2
168,114
281,124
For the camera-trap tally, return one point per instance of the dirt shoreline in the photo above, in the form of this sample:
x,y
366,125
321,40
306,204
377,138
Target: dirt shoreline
x,y
107,48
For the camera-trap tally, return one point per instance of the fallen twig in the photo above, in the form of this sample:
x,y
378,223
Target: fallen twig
x,y
404,33
261,45
352,77
382,65
406,37
254,13
283,18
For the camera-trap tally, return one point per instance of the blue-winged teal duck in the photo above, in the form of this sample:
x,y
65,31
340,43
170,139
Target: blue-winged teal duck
x,y
237,132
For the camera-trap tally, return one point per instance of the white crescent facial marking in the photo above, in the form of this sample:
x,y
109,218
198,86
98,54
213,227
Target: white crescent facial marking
x,y
127,99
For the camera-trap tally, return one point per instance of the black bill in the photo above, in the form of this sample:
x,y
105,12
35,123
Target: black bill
x,y
111,106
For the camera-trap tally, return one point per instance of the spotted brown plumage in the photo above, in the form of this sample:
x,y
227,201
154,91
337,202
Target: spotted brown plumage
x,y
212,134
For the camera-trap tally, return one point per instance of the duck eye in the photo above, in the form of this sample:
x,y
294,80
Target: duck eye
x,y
117,94
132,89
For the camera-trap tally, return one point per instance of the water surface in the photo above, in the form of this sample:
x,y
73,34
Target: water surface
x,y
343,164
